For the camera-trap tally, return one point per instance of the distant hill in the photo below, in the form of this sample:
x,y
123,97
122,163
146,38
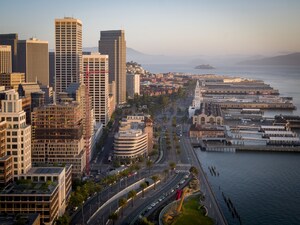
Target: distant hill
x,y
143,58
282,60
90,49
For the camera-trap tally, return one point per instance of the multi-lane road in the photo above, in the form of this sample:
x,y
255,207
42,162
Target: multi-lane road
x,y
184,160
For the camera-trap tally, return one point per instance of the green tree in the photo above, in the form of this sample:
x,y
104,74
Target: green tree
x,y
172,165
174,121
76,199
180,92
143,186
114,217
155,178
164,100
132,195
63,220
122,204
149,164
194,170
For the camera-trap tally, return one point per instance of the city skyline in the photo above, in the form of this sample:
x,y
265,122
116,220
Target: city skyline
x,y
196,27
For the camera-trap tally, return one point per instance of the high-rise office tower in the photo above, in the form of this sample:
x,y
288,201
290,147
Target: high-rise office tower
x,y
18,133
133,84
33,60
12,40
68,52
113,44
96,66
5,59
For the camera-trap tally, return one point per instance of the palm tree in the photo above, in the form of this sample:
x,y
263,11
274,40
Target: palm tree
x,y
194,170
149,164
172,165
155,179
143,186
132,195
122,204
114,217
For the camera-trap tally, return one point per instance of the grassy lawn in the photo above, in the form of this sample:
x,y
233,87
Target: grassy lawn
x,y
191,214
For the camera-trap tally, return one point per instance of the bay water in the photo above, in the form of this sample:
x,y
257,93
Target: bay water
x,y
264,188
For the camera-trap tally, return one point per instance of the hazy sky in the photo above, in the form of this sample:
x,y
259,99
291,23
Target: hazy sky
x,y
168,27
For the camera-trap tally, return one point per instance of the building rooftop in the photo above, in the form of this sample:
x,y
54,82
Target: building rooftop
x,y
285,139
25,187
273,127
209,108
279,132
129,133
207,127
45,170
27,219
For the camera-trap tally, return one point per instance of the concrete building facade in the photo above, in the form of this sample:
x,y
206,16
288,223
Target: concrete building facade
x,y
133,85
57,136
33,60
135,137
6,165
18,133
11,80
96,66
60,175
28,197
209,113
68,52
112,98
5,59
113,44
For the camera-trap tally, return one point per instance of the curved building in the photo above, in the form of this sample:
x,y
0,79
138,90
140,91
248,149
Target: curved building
x,y
131,144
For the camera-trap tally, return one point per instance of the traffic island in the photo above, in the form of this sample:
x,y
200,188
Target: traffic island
x,y
188,209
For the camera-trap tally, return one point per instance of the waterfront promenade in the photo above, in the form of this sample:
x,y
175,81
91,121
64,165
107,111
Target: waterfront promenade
x,y
214,210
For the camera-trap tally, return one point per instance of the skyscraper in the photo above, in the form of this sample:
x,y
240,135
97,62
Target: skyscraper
x,y
68,52
5,59
12,40
133,84
113,44
97,67
18,133
33,60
